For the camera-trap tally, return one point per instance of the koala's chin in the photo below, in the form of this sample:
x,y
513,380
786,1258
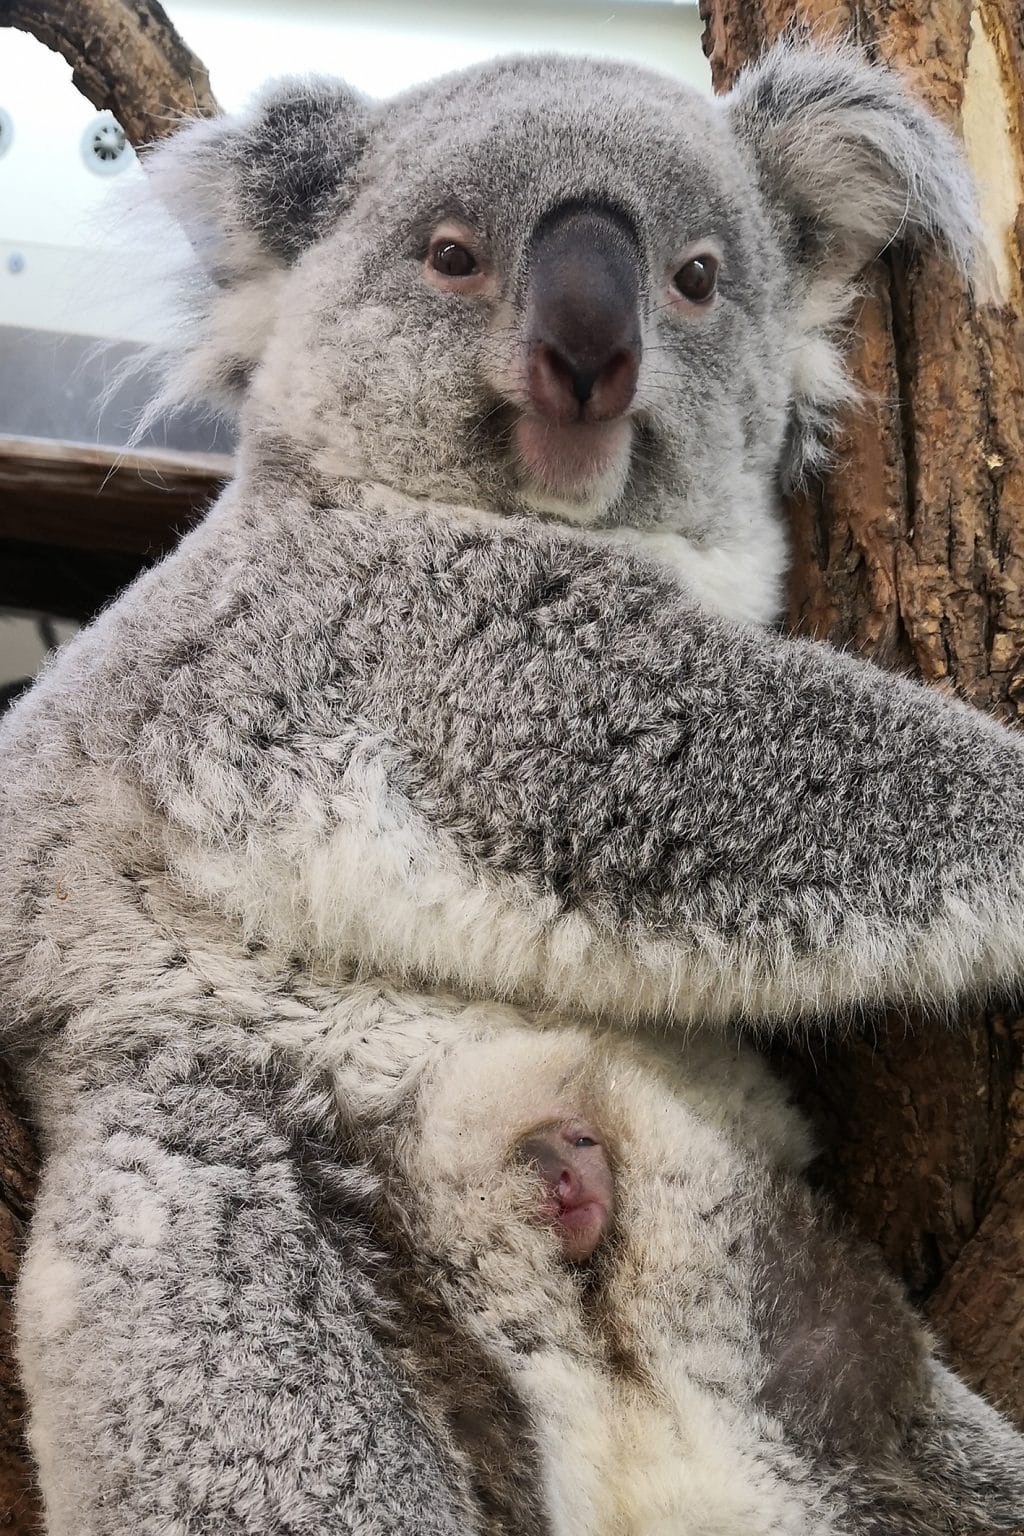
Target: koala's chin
x,y
576,472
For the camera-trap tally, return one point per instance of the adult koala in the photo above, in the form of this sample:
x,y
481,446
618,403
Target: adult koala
x,y
441,696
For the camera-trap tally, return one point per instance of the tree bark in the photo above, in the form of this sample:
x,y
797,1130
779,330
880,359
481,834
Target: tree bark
x,y
125,56
19,1509
912,552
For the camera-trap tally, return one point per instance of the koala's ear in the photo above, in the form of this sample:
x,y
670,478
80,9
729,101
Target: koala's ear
x,y
272,179
251,193
847,160
847,163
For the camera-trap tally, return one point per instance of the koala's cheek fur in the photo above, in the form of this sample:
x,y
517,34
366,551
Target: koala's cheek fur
x,y
382,387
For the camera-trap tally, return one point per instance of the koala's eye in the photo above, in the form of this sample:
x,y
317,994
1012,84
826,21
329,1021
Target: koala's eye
x,y
584,1141
452,259
696,278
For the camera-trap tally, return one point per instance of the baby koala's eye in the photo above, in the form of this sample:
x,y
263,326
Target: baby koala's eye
x,y
697,278
584,1141
452,259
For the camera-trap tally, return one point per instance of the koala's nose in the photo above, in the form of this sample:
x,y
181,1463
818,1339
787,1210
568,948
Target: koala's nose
x,y
569,387
583,316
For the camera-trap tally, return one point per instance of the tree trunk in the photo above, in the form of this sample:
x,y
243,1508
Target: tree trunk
x,y
912,552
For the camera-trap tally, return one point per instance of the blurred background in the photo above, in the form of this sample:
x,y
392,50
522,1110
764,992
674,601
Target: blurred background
x,y
76,299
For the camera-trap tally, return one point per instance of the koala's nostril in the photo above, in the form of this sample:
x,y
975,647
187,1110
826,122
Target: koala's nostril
x,y
582,381
559,375
615,385
566,390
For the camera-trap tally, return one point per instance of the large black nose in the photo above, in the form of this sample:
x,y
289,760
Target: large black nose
x,y
583,315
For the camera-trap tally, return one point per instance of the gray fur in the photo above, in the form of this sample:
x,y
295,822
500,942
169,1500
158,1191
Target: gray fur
x,y
189,1327
378,717
849,164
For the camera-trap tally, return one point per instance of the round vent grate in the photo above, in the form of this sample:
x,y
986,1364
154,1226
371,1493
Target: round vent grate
x,y
104,146
6,131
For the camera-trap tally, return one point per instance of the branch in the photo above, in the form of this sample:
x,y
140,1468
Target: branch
x,y
125,56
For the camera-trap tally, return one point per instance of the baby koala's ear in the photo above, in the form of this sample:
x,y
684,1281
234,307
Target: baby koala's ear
x,y
251,193
270,180
847,163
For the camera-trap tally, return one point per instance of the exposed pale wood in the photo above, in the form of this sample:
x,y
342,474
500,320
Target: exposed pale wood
x,y
913,553
125,56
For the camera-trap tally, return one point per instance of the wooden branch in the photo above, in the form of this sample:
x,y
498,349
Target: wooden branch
x,y
125,55
78,523
82,497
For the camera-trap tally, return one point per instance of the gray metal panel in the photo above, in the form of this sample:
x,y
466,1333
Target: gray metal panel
x,y
52,386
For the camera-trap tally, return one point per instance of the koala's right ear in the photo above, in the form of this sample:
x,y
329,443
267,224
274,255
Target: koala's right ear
x,y
847,162
252,193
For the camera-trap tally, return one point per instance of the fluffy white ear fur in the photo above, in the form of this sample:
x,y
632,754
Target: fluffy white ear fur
x,y
251,192
848,163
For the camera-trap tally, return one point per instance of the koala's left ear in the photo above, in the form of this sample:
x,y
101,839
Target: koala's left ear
x,y
251,193
847,160
847,163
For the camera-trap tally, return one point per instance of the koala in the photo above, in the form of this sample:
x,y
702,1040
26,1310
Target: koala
x,y
576,1177
462,699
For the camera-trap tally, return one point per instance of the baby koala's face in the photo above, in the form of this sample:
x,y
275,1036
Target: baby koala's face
x,y
572,1161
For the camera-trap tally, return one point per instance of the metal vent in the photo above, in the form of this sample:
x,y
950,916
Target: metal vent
x,y
105,149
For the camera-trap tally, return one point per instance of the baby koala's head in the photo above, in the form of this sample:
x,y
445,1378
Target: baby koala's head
x,y
514,1147
577,1187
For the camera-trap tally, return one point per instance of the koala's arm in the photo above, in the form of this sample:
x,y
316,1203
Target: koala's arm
x,y
501,758
193,1333
962,1447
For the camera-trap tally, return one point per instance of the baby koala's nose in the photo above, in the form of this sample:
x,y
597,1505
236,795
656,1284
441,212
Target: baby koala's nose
x,y
582,338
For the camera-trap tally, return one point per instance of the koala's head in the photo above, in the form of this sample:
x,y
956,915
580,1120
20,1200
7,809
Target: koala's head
x,y
554,284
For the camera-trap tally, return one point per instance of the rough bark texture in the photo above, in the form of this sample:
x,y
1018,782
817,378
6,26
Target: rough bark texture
x,y
913,553
19,1511
125,56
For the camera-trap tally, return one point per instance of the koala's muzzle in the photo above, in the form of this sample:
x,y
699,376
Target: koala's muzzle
x,y
583,316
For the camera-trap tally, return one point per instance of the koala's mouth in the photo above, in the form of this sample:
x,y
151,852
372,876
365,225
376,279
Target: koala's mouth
x,y
573,462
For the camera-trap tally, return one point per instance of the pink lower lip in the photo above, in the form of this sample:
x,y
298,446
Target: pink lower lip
x,y
579,1215
567,459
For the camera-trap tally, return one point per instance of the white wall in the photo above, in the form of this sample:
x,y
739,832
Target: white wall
x,y
58,219
387,45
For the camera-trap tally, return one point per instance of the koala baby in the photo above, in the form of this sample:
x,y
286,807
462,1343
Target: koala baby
x,y
699,1348
449,689
573,1165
